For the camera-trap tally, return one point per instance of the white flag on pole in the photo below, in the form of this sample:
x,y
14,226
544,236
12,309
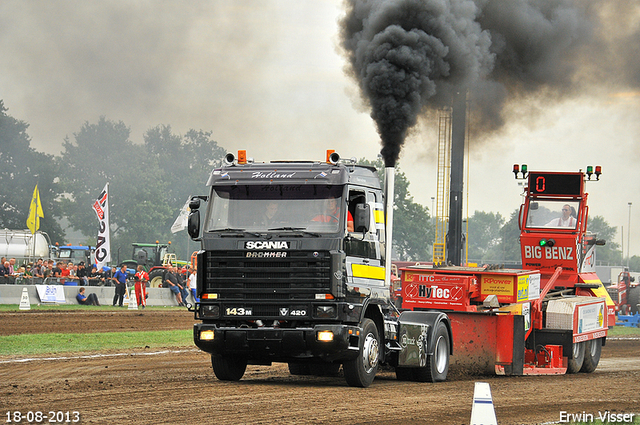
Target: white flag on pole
x,y
103,245
183,217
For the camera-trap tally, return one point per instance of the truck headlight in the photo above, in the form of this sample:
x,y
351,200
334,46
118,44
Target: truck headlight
x,y
207,335
325,336
326,311
210,311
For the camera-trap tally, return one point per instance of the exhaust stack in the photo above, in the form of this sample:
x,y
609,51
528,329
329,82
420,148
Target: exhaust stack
x,y
389,180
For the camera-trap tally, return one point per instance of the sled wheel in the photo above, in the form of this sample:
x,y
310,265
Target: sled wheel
x,y
592,351
578,358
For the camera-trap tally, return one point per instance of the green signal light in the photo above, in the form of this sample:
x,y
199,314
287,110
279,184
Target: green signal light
x,y
547,242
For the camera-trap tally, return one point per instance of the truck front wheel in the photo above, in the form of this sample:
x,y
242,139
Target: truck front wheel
x,y
228,368
361,371
592,351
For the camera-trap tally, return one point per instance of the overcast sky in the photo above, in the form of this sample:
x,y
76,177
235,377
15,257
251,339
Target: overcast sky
x,y
267,76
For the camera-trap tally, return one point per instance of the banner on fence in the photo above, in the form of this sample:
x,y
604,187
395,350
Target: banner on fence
x,y
51,293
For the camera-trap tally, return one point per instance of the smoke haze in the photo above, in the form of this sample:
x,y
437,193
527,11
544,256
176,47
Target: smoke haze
x,y
267,76
409,56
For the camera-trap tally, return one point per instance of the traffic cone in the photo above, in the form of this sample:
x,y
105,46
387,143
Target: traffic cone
x,y
133,302
482,411
24,300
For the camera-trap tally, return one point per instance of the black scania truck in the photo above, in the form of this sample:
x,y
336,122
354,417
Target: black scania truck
x,y
292,269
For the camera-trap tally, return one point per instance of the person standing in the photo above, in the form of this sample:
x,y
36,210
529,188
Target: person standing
x,y
83,274
47,270
172,282
37,271
193,285
120,282
142,278
12,266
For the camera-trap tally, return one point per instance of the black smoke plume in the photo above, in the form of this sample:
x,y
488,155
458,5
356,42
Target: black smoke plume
x,y
409,56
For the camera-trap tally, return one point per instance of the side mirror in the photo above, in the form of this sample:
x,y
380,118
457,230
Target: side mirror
x,y
193,224
194,204
361,219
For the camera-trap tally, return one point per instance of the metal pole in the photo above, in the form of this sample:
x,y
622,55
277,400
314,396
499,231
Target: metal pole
x,y
628,235
458,132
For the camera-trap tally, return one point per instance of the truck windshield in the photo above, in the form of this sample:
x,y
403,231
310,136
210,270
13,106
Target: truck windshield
x,y
260,208
558,214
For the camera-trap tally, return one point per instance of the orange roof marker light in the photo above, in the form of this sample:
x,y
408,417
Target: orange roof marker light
x,y
332,157
242,157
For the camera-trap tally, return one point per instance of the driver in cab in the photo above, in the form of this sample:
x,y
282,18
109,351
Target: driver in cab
x,y
332,213
567,219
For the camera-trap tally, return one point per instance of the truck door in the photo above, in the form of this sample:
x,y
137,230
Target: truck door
x,y
365,268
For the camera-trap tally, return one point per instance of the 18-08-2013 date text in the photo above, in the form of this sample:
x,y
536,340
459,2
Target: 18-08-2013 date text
x,y
39,417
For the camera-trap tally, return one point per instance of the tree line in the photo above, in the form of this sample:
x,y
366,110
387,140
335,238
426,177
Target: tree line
x,y
150,182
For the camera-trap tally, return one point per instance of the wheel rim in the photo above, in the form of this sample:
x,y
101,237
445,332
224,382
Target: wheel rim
x,y
441,354
576,349
594,347
370,352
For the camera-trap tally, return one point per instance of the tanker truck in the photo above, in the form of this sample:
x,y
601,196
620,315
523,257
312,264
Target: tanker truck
x,y
23,245
294,267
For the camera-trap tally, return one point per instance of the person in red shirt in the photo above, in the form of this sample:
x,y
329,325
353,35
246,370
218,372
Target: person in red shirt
x,y
64,272
141,280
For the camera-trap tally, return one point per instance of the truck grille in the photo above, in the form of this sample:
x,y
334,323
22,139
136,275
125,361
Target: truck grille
x,y
298,276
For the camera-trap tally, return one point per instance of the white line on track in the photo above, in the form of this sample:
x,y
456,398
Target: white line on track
x,y
95,356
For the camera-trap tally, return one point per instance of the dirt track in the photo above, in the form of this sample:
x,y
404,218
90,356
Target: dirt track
x,y
178,386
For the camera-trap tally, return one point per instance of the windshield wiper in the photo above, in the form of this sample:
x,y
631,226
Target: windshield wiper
x,y
231,229
303,230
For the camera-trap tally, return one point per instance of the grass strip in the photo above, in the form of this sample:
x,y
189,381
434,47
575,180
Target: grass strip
x,y
14,308
56,343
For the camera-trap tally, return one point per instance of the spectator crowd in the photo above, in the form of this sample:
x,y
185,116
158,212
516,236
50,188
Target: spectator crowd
x,y
181,281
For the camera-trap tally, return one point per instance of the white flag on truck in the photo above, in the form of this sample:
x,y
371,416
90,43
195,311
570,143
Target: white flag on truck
x,y
103,245
183,217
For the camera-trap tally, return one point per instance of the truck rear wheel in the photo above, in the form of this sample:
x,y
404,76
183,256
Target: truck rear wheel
x,y
438,363
592,351
575,364
228,368
361,371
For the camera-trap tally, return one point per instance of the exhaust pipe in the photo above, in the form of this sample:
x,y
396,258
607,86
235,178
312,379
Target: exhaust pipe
x,y
389,180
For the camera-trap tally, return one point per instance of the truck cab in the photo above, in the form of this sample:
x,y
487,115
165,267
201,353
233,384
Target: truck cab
x,y
292,269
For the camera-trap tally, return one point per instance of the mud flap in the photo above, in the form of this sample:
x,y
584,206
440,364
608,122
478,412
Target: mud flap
x,y
415,334
488,343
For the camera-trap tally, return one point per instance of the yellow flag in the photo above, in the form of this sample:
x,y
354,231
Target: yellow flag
x,y
35,212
